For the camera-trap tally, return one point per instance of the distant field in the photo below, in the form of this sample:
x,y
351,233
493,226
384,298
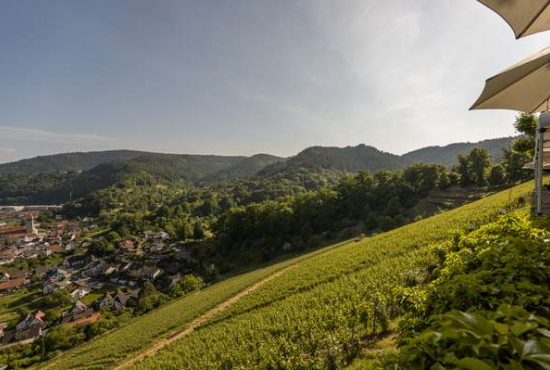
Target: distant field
x,y
318,314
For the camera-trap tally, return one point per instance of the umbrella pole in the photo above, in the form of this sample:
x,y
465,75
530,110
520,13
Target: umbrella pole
x,y
544,119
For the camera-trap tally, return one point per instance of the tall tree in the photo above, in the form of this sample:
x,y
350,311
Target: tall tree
x,y
479,162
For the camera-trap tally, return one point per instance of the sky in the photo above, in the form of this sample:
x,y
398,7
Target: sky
x,y
248,76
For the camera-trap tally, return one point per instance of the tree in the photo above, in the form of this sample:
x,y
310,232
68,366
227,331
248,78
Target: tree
x,y
62,337
101,248
462,168
479,162
187,284
198,232
526,124
513,163
497,177
59,298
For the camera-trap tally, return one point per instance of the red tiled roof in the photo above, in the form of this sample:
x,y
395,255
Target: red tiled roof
x,y
15,283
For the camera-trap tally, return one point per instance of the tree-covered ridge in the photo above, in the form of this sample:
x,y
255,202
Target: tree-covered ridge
x,y
245,168
349,159
67,162
446,155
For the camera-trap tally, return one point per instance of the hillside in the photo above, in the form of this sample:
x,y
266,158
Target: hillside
x,y
348,159
318,312
245,168
39,180
67,162
446,155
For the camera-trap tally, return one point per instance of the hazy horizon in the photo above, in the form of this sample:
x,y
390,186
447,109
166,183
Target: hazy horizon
x,y
248,77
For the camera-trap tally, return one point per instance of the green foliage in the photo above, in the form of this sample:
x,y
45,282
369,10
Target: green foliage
x,y
526,124
62,337
58,298
497,177
473,167
187,284
488,305
318,314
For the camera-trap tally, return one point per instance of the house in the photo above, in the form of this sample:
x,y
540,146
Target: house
x,y
7,256
75,261
121,298
150,273
79,314
12,285
80,292
59,274
127,246
41,271
53,286
30,320
105,302
51,249
16,274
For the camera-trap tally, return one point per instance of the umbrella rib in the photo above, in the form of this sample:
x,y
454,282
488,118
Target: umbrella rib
x,y
539,13
541,103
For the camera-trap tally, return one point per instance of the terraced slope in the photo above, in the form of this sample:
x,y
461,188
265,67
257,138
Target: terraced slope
x,y
322,312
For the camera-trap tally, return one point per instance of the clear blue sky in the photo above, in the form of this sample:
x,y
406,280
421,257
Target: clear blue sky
x,y
248,76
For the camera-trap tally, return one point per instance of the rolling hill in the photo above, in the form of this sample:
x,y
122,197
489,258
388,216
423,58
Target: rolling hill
x,y
45,179
245,168
67,162
349,159
446,155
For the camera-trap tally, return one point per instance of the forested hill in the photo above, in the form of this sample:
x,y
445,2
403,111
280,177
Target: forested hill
x,y
245,168
45,179
349,159
213,167
446,155
67,162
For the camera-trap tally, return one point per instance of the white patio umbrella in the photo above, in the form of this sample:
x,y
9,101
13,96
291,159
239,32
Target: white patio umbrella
x,y
525,87
526,17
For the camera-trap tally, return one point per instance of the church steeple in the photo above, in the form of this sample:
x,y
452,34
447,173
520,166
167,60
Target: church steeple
x,y
31,229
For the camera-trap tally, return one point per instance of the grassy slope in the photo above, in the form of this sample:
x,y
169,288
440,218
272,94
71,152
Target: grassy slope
x,y
313,316
327,271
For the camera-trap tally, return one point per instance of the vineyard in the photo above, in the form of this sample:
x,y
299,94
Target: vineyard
x,y
323,312
118,345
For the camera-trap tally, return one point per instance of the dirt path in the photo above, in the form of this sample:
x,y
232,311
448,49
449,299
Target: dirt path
x,y
151,351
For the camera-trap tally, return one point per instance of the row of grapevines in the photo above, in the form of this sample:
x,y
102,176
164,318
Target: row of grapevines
x,y
118,345
319,314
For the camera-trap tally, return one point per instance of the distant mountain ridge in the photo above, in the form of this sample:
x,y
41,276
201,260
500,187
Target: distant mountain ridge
x,y
64,162
100,170
348,159
446,155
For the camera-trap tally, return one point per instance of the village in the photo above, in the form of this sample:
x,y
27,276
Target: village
x,y
50,275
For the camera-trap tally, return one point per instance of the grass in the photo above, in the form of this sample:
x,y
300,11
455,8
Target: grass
x,y
23,299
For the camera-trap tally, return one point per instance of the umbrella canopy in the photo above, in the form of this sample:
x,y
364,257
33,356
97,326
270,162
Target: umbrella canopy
x,y
526,17
523,87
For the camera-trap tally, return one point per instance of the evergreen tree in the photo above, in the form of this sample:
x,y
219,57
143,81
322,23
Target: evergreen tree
x,y
198,231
